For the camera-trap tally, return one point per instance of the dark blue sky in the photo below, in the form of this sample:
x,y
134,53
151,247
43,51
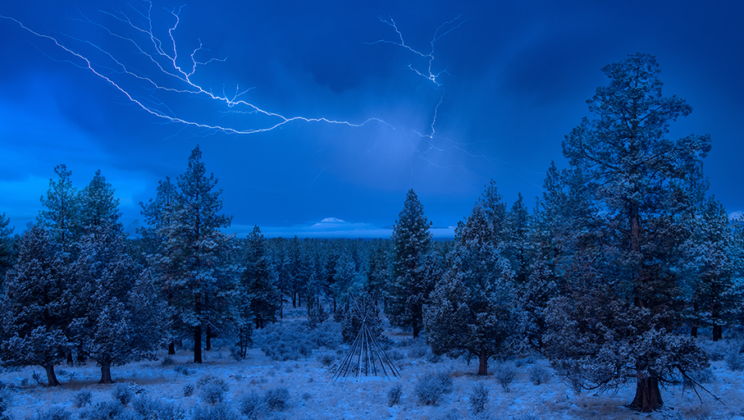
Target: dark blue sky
x,y
517,77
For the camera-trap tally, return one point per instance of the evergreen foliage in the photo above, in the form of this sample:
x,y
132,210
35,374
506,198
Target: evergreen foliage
x,y
616,320
473,308
34,312
408,290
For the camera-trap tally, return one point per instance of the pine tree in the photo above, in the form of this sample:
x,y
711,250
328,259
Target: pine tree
x,y
407,292
377,271
7,249
622,280
473,309
194,248
61,214
98,206
259,280
709,259
518,248
34,311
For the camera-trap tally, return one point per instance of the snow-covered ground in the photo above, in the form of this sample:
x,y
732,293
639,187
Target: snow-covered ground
x,y
315,395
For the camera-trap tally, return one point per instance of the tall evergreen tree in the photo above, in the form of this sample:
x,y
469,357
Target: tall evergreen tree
x,y
259,279
407,291
622,279
34,311
194,249
518,246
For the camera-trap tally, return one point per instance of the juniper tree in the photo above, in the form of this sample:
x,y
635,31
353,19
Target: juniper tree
x,y
473,309
616,324
407,290
33,308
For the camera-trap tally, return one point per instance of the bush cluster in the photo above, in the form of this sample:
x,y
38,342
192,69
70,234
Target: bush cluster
x,y
430,388
539,374
212,389
82,398
297,340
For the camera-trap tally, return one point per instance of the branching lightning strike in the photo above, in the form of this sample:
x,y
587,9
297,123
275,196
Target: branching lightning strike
x,y
428,73
164,55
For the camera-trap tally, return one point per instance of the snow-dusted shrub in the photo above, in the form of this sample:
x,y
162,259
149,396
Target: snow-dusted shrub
x,y
251,406
326,359
150,408
734,359
277,399
167,361
539,374
54,413
215,412
235,353
183,370
702,376
4,408
107,410
479,398
505,374
212,393
188,390
716,349
394,395
395,355
431,387
433,358
417,352
82,398
122,394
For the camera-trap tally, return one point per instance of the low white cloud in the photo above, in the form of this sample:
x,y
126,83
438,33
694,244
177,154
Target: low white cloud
x,y
332,227
736,215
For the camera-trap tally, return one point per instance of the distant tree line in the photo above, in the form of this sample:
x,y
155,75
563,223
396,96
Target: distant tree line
x,y
611,276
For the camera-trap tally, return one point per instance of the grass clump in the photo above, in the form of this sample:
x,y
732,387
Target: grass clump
x,y
122,394
277,399
252,406
479,398
82,398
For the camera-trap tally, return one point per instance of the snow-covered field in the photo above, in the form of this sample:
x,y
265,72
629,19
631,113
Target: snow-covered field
x,y
315,395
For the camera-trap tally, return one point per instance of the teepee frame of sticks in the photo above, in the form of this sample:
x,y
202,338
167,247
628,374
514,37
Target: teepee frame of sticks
x,y
366,352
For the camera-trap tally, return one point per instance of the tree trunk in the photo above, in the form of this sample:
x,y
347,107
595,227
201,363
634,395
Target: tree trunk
x,y
208,347
717,332
197,344
106,374
69,358
416,329
51,376
694,331
482,363
647,397
172,347
294,299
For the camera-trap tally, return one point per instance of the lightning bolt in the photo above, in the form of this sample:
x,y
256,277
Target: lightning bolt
x,y
427,73
176,68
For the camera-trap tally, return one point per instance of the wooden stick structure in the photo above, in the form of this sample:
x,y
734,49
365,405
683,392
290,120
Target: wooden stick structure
x,y
365,353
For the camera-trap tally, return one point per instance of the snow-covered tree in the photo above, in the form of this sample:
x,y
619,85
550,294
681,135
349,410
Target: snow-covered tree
x,y
34,311
518,245
615,323
407,290
259,279
7,249
473,309
195,249
61,212
378,271
98,206
709,267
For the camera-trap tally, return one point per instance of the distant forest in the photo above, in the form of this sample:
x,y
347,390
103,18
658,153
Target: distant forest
x,y
612,274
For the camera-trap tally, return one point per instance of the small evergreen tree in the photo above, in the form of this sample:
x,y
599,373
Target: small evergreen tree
x,y
34,311
473,309
259,280
408,291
